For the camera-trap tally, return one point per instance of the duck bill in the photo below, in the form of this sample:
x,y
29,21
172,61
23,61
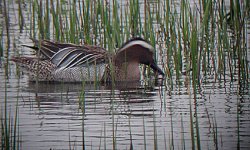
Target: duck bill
x,y
157,69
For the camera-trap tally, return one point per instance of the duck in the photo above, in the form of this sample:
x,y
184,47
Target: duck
x,y
66,62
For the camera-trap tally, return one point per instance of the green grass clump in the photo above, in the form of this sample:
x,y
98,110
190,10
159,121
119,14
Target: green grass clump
x,y
1,43
10,138
185,35
194,43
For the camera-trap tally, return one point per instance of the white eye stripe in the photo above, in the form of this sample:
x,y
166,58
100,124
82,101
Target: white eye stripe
x,y
138,42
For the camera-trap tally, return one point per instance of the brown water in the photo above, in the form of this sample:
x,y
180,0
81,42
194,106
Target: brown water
x,y
49,115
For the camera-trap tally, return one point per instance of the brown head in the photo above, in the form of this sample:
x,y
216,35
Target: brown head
x,y
130,55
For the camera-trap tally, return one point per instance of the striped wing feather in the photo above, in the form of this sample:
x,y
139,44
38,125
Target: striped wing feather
x,y
70,55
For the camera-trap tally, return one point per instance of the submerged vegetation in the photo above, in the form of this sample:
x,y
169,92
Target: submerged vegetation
x,y
194,41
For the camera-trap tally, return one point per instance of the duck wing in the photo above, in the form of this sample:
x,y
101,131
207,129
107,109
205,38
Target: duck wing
x,y
72,56
69,55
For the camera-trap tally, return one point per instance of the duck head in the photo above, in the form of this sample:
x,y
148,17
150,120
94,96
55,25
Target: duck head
x,y
128,58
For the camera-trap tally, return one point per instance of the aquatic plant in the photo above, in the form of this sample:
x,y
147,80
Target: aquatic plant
x,y
193,42
10,137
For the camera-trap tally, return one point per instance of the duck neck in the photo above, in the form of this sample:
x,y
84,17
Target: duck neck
x,y
128,71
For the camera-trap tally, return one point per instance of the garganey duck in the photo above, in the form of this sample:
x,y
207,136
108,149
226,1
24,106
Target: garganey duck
x,y
74,63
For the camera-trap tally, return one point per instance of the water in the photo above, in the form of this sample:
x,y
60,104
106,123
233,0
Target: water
x,y
50,116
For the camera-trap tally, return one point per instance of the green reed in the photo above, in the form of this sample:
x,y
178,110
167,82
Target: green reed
x,y
7,43
114,144
130,133
183,143
10,138
73,27
6,19
185,41
46,19
238,123
171,136
150,29
144,132
192,134
20,16
1,42
215,132
56,22
40,16
198,141
105,22
134,17
104,135
82,108
33,22
155,132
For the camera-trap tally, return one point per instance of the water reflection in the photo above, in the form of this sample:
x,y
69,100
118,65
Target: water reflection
x,y
92,95
54,87
54,113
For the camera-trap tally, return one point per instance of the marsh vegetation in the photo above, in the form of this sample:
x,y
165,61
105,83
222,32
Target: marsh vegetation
x,y
202,46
